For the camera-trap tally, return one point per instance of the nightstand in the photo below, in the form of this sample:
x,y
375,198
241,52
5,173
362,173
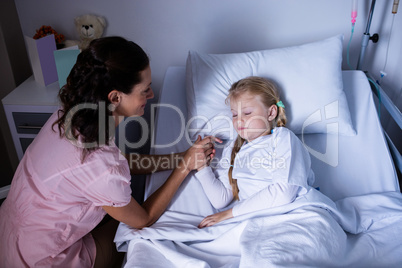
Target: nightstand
x,y
27,109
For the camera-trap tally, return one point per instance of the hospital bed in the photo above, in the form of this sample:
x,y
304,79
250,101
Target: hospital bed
x,y
355,220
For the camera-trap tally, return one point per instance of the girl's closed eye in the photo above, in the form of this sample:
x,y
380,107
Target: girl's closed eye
x,y
247,111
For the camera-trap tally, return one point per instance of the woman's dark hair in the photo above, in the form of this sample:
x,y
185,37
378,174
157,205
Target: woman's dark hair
x,y
108,63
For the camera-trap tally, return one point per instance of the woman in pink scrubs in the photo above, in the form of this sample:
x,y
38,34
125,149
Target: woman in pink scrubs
x,y
73,174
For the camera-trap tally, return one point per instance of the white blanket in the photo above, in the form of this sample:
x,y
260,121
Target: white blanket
x,y
362,231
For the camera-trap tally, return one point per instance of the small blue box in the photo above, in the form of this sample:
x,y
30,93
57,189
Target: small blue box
x,y
65,60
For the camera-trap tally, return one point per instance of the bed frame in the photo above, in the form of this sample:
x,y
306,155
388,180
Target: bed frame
x,y
395,113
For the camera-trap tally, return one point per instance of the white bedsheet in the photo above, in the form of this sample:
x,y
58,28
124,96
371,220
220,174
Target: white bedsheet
x,y
308,232
362,228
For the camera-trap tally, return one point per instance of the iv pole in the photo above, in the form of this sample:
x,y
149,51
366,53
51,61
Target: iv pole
x,y
366,37
386,101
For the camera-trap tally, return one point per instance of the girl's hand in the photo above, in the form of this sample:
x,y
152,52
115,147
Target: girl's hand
x,y
200,153
215,218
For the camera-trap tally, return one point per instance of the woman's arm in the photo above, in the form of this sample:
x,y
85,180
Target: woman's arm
x,y
139,216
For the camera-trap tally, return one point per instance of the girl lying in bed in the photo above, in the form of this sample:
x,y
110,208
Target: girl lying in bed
x,y
266,166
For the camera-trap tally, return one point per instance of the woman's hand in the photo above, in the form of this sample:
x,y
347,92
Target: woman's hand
x,y
215,218
200,153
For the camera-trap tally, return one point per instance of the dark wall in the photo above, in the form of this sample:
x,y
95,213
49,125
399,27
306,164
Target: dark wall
x,y
14,69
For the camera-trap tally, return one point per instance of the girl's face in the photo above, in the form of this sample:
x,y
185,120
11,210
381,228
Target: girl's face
x,y
133,104
250,117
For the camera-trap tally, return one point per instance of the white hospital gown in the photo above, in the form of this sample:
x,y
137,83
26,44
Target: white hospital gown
x,y
271,170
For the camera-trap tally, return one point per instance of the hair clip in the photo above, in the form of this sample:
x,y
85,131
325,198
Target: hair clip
x,y
280,104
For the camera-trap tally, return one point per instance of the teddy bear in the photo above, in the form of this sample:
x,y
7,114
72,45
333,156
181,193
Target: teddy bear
x,y
89,27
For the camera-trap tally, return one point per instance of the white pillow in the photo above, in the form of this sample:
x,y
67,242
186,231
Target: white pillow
x,y
309,77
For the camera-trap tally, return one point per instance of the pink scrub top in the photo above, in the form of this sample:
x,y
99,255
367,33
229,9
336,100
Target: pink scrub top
x,y
55,200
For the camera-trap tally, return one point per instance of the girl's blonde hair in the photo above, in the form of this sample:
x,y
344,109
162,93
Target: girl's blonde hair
x,y
269,95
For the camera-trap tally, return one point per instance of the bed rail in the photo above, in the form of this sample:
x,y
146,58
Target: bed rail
x,y
395,114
